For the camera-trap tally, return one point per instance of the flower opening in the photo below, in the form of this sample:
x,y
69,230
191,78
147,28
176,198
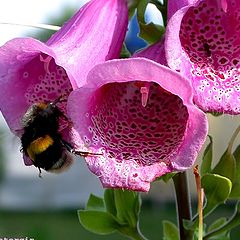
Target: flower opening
x,y
140,138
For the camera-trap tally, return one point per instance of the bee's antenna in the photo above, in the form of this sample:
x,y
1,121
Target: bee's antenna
x,y
59,99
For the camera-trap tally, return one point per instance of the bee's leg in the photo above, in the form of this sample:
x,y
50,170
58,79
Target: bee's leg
x,y
65,117
40,173
85,154
70,148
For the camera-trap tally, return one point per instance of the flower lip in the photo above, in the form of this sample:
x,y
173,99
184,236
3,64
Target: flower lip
x,y
206,50
179,85
141,140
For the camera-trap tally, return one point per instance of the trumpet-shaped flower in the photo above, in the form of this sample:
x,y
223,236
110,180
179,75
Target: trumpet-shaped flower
x,y
202,43
32,71
140,116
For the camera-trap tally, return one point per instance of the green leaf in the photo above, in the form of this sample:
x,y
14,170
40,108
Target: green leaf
x,y
218,223
124,52
98,222
235,193
207,158
141,9
216,114
132,5
217,189
128,206
221,237
110,201
226,166
236,154
151,32
170,231
167,177
95,203
148,31
223,232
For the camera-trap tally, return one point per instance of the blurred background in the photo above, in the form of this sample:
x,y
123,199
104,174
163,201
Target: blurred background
x,y
47,208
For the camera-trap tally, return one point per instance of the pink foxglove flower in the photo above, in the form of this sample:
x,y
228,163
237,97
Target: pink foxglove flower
x,y
32,71
140,116
174,5
202,43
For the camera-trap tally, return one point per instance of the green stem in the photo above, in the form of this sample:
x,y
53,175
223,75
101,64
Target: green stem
x,y
200,202
133,233
183,204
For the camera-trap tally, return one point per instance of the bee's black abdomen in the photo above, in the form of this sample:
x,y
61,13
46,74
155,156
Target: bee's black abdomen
x,y
48,158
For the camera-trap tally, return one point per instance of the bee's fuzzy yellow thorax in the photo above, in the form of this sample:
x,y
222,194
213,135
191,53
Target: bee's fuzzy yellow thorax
x,y
39,145
42,105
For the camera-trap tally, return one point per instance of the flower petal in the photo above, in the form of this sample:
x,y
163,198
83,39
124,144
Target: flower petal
x,y
155,52
95,34
174,6
139,143
201,45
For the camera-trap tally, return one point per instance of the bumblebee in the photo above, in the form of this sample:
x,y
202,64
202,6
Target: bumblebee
x,y
41,140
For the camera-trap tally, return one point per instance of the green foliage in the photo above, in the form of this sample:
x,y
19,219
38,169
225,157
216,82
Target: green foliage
x,y
118,211
170,231
226,166
132,5
207,158
148,31
221,228
235,193
95,203
167,177
98,222
110,202
128,206
220,184
124,52
217,225
217,189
